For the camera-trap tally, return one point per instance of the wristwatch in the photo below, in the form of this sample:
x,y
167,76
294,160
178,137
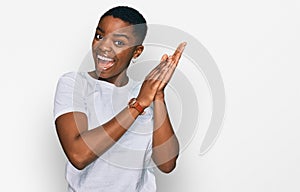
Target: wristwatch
x,y
133,103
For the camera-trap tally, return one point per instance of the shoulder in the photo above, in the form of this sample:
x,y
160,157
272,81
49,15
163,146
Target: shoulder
x,y
70,81
72,76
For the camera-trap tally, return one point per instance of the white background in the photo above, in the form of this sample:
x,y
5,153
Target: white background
x,y
254,43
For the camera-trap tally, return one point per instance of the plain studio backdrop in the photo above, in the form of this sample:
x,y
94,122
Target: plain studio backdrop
x,y
255,45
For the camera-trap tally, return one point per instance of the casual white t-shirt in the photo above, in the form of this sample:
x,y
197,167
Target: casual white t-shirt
x,y
127,165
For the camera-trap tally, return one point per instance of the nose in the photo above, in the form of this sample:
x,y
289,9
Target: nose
x,y
105,45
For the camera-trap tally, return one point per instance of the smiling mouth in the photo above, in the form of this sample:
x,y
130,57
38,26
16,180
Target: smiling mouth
x,y
104,63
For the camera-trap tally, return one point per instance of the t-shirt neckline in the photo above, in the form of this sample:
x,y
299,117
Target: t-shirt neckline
x,y
108,84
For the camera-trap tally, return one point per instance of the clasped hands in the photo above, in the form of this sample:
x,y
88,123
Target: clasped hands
x,y
156,81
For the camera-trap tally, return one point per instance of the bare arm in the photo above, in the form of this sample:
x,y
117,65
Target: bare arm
x,y
165,144
83,146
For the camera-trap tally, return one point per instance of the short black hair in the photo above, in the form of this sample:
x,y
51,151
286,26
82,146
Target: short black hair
x,y
132,16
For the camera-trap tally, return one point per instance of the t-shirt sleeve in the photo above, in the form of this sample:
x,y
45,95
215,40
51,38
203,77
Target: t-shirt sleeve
x,y
69,95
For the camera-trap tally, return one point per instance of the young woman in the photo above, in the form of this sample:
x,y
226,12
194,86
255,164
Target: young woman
x,y
111,128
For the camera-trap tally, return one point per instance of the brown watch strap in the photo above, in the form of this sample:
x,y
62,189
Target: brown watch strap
x,y
133,103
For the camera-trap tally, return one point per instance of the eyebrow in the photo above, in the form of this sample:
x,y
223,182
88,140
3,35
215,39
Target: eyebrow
x,y
101,30
121,35
114,34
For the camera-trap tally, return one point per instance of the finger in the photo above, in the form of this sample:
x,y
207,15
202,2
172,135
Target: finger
x,y
161,77
159,72
166,79
169,73
166,73
162,63
164,58
155,70
177,54
180,48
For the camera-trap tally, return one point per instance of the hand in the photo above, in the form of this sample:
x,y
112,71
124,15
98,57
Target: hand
x,y
172,62
155,82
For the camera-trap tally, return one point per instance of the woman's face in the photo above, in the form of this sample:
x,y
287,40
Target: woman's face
x,y
113,47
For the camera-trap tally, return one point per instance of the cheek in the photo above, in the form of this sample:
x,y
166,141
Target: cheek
x,y
94,44
126,54
124,57
119,51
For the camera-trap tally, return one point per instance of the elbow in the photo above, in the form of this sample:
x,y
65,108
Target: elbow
x,y
78,161
167,167
78,165
165,164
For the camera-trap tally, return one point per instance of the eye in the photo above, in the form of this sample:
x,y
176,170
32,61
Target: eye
x,y
119,43
98,36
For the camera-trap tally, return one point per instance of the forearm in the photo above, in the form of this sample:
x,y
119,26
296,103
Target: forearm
x,y
104,136
165,143
88,145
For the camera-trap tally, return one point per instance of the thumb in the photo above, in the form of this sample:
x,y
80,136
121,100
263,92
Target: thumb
x,y
164,58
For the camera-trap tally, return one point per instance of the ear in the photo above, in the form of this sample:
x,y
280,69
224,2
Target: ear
x,y
138,50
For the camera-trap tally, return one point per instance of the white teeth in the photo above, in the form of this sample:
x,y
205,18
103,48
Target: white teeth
x,y
104,58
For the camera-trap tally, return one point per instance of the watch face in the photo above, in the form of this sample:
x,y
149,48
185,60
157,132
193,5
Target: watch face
x,y
132,102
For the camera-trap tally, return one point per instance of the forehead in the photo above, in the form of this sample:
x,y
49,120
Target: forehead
x,y
112,25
